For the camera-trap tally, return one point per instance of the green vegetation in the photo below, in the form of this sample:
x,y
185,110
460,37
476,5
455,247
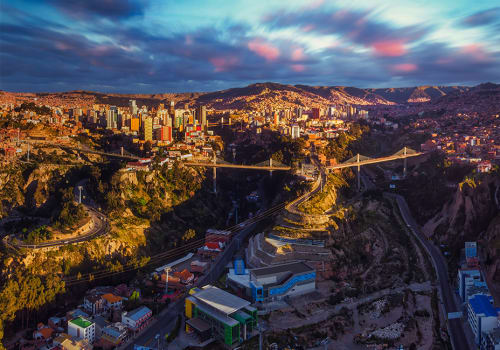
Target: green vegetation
x,y
30,106
38,235
70,213
25,294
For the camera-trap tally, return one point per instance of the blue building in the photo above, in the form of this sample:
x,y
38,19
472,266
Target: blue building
x,y
482,315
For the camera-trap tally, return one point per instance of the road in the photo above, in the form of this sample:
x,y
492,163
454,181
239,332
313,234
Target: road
x,y
100,228
457,332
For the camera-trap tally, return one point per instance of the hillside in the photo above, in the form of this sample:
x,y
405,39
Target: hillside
x,y
272,95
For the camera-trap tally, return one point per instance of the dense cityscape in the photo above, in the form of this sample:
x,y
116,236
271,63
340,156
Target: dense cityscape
x,y
156,193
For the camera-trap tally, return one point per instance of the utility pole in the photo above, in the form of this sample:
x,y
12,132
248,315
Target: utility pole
x,y
359,172
167,270
404,162
215,173
80,188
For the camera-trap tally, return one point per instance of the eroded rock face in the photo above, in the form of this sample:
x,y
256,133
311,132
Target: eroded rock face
x,y
469,212
491,244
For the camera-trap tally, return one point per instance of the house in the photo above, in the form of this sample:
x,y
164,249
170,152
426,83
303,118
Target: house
x,y
115,333
137,319
76,344
185,276
82,328
112,302
211,249
93,304
57,324
42,332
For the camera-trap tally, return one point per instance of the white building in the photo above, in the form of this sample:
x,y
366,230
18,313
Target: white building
x,y
482,316
295,131
82,328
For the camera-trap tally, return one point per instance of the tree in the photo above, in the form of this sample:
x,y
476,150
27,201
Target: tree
x,y
189,234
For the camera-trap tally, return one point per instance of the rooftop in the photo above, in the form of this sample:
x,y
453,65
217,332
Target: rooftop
x,y
81,322
294,267
111,298
138,313
221,300
481,304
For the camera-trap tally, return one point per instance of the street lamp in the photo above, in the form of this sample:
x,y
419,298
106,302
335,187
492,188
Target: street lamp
x,y
157,337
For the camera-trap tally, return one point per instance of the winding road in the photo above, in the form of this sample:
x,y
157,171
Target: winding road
x,y
99,228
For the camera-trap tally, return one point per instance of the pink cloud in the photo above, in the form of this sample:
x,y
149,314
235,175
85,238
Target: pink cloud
x,y
188,40
222,64
298,67
444,61
391,48
476,51
308,28
62,46
263,49
405,67
314,4
298,54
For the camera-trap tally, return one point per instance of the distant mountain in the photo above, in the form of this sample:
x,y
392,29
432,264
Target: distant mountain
x,y
270,95
418,93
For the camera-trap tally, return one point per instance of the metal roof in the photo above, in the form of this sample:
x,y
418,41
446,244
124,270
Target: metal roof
x,y
221,300
295,268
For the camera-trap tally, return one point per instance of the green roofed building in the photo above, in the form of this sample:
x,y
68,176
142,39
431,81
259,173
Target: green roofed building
x,y
81,328
213,312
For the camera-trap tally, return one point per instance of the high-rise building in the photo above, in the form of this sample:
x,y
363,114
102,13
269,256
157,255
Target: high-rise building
x,y
133,107
164,134
276,118
295,131
112,118
202,117
148,129
315,113
134,124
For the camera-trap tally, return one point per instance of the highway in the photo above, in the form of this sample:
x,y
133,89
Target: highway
x,y
457,332
100,228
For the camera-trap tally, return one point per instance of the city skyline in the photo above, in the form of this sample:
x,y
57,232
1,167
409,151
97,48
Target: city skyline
x,y
154,47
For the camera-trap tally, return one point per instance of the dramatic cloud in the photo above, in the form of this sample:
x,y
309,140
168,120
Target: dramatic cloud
x,y
483,17
264,49
131,46
113,9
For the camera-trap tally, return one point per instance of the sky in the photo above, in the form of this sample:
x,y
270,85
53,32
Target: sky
x,y
148,46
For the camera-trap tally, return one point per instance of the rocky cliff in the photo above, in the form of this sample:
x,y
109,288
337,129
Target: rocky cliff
x,y
469,212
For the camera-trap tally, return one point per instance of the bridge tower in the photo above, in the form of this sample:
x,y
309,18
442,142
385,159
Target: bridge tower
x,y
270,164
121,151
404,162
215,173
359,172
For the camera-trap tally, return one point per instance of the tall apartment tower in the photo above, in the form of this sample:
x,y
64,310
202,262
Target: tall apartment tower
x,y
148,129
133,107
202,117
